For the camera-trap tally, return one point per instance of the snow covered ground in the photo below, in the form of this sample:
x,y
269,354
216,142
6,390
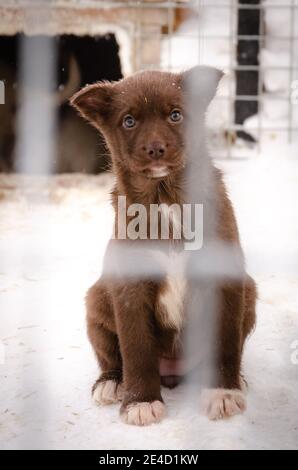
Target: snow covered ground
x,y
52,237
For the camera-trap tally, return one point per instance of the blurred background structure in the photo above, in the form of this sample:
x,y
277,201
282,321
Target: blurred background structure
x,y
253,41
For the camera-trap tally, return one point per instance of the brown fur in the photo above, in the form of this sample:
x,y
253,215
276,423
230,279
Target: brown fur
x,y
124,320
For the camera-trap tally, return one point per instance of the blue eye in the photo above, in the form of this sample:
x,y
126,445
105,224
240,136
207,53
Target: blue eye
x,y
176,115
129,121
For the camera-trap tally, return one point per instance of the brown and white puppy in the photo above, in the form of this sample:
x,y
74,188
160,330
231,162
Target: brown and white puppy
x,y
135,323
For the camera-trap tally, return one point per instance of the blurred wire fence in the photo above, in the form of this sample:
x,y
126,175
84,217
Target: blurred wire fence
x,y
253,41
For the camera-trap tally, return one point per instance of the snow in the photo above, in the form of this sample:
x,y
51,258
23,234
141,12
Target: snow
x,y
53,232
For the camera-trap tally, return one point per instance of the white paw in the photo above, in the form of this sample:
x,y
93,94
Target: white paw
x,y
219,403
143,414
108,392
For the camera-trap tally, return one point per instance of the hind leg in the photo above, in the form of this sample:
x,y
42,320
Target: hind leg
x,y
249,319
225,398
250,297
102,335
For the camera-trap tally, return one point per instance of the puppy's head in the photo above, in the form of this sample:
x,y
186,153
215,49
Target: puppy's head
x,y
143,117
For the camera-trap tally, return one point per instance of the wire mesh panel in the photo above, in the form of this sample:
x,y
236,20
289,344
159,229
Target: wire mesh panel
x,y
261,58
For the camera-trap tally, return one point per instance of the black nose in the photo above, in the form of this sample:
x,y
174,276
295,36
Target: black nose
x,y
155,149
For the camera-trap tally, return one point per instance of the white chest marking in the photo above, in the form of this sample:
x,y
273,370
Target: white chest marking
x,y
172,300
172,297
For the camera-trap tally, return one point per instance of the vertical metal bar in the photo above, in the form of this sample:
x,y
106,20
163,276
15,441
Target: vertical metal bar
x,y
36,117
291,70
35,155
231,95
170,19
199,6
202,306
260,86
139,42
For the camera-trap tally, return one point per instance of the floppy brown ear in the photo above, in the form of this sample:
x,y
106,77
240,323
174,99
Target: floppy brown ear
x,y
201,83
94,102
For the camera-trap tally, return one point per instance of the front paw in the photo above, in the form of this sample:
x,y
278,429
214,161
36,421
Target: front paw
x,y
219,403
107,392
143,413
